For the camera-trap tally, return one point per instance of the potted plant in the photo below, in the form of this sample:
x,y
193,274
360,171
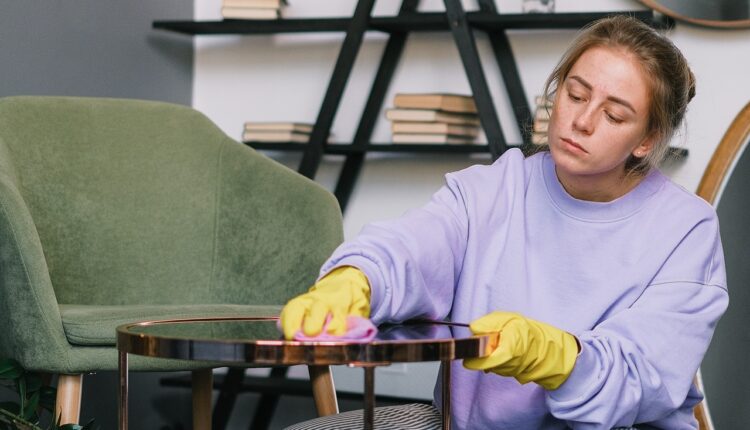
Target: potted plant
x,y
34,397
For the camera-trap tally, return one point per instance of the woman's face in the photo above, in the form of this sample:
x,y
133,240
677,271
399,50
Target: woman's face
x,y
599,119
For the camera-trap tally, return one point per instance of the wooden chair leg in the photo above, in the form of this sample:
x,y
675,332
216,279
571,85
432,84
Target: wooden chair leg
x,y
324,391
203,381
68,402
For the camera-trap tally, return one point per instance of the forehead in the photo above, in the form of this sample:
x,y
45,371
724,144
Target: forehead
x,y
614,72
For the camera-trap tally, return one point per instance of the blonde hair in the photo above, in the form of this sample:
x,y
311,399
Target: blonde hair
x,y
671,80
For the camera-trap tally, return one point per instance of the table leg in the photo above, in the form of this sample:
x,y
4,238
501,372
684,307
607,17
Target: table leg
x,y
202,384
446,389
122,392
324,391
369,415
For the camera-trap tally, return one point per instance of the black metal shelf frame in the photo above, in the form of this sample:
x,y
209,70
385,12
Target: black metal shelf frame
x,y
459,22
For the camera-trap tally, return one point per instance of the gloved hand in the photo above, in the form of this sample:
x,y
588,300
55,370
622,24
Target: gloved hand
x,y
343,292
528,350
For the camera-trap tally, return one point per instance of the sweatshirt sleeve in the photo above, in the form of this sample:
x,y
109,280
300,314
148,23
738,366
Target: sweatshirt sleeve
x,y
412,262
638,365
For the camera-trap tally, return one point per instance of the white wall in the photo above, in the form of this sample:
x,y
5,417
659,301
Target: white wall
x,y
283,77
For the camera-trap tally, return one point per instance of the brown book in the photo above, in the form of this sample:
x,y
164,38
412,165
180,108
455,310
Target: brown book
x,y
249,13
297,127
438,101
430,115
275,136
430,138
435,128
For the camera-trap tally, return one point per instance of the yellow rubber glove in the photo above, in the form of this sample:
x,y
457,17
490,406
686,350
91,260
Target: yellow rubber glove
x,y
343,292
528,350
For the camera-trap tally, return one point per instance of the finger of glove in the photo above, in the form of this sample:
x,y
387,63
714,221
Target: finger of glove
x,y
492,322
292,316
500,358
337,325
315,318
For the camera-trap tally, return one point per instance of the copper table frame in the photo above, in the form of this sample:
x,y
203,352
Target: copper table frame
x,y
274,352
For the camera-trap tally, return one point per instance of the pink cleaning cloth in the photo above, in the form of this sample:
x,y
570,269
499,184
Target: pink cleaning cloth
x,y
358,330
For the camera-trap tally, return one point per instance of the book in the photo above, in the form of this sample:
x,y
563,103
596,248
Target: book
x,y
298,127
275,136
539,138
429,138
430,115
258,4
438,101
435,128
540,101
541,125
249,13
542,114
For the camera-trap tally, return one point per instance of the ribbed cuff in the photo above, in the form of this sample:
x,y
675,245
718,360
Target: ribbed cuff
x,y
584,373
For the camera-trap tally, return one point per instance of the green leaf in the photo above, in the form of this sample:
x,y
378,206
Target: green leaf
x,y
22,393
31,407
10,369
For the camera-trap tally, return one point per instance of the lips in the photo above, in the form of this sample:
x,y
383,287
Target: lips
x,y
573,145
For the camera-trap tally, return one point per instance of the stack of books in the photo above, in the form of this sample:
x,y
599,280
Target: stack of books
x,y
541,120
252,9
277,132
433,118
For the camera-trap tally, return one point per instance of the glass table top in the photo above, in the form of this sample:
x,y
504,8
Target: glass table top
x,y
259,341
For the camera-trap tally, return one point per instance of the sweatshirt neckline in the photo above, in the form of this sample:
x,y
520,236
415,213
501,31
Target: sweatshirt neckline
x,y
619,208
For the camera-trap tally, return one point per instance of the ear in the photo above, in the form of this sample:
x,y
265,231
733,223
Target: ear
x,y
645,147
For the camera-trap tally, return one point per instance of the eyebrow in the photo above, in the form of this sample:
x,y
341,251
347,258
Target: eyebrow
x,y
610,98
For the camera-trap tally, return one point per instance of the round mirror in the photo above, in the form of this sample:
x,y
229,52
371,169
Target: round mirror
x,y
712,13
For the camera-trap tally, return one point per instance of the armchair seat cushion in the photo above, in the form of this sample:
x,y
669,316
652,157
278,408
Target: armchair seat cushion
x,y
95,325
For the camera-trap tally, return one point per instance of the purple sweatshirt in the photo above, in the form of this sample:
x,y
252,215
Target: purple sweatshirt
x,y
639,280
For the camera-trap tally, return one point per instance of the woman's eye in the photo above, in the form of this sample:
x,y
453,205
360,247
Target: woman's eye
x,y
575,98
613,118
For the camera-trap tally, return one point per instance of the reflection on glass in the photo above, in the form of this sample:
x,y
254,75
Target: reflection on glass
x,y
266,329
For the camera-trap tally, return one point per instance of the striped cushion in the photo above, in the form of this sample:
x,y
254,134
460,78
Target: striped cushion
x,y
414,416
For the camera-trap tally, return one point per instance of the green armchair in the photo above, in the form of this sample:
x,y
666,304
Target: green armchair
x,y
114,211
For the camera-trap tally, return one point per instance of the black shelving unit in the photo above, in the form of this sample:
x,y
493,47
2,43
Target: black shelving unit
x,y
460,23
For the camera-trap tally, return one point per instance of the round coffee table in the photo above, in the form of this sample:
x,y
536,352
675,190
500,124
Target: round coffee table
x,y
257,342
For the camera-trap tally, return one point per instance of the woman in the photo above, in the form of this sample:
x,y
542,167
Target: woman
x,y
604,279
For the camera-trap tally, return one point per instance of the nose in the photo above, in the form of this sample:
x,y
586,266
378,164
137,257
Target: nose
x,y
584,120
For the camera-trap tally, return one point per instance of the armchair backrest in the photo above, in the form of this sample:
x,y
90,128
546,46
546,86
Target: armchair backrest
x,y
138,202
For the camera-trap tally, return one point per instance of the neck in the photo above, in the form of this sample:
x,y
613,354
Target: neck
x,y
598,189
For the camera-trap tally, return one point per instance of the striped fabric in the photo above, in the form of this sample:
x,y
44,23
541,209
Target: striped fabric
x,y
413,416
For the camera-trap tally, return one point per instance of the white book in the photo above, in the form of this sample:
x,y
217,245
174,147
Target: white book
x,y
541,101
542,114
539,138
249,13
430,138
275,136
430,115
298,127
258,4
434,128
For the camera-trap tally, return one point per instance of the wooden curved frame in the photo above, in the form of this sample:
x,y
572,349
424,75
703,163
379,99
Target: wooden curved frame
x,y
655,5
714,180
725,157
